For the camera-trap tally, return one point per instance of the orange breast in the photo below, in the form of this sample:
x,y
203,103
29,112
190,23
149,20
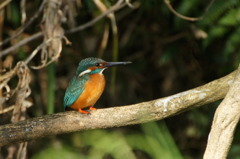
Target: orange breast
x,y
92,91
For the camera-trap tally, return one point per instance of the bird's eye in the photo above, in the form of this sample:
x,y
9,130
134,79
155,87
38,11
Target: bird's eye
x,y
98,64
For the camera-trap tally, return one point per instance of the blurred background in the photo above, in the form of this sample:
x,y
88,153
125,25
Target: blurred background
x,y
169,54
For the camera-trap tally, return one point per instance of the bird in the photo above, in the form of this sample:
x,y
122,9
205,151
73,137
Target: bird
x,y
87,85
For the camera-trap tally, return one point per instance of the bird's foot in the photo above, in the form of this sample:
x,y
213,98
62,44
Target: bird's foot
x,y
91,108
86,112
82,111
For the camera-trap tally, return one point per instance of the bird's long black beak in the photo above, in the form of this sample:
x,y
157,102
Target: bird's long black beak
x,y
110,64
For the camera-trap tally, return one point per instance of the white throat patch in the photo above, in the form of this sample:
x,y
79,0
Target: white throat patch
x,y
102,71
84,72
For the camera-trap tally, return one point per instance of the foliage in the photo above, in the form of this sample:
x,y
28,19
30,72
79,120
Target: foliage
x,y
153,140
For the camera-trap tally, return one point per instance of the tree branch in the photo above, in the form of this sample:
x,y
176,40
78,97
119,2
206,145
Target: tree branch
x,y
71,121
225,120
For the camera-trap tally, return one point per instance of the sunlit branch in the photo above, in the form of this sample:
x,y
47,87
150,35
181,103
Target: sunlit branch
x,y
158,109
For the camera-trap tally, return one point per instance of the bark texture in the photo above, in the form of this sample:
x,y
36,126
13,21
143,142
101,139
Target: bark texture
x,y
158,109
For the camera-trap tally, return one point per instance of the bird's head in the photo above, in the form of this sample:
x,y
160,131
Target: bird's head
x,y
94,65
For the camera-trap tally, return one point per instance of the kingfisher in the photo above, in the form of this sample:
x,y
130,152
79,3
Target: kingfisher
x,y
88,84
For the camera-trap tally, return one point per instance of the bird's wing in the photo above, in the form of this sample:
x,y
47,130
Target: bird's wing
x,y
74,90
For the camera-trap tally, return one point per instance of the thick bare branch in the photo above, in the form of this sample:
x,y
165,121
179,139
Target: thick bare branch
x,y
225,120
117,116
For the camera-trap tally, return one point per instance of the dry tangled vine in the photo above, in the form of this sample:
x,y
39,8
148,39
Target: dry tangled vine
x,y
53,13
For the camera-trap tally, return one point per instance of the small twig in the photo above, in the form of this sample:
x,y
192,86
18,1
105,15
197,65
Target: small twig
x,y
104,40
209,6
168,4
11,151
7,75
129,3
23,11
3,4
21,43
117,6
22,151
53,58
27,104
7,109
33,54
24,26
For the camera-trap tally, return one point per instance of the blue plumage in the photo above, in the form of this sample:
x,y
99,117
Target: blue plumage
x,y
75,89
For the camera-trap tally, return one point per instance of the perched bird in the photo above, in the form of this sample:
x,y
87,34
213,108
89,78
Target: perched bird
x,y
88,83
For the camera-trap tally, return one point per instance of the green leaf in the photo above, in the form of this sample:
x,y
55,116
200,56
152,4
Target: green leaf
x,y
56,152
231,19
